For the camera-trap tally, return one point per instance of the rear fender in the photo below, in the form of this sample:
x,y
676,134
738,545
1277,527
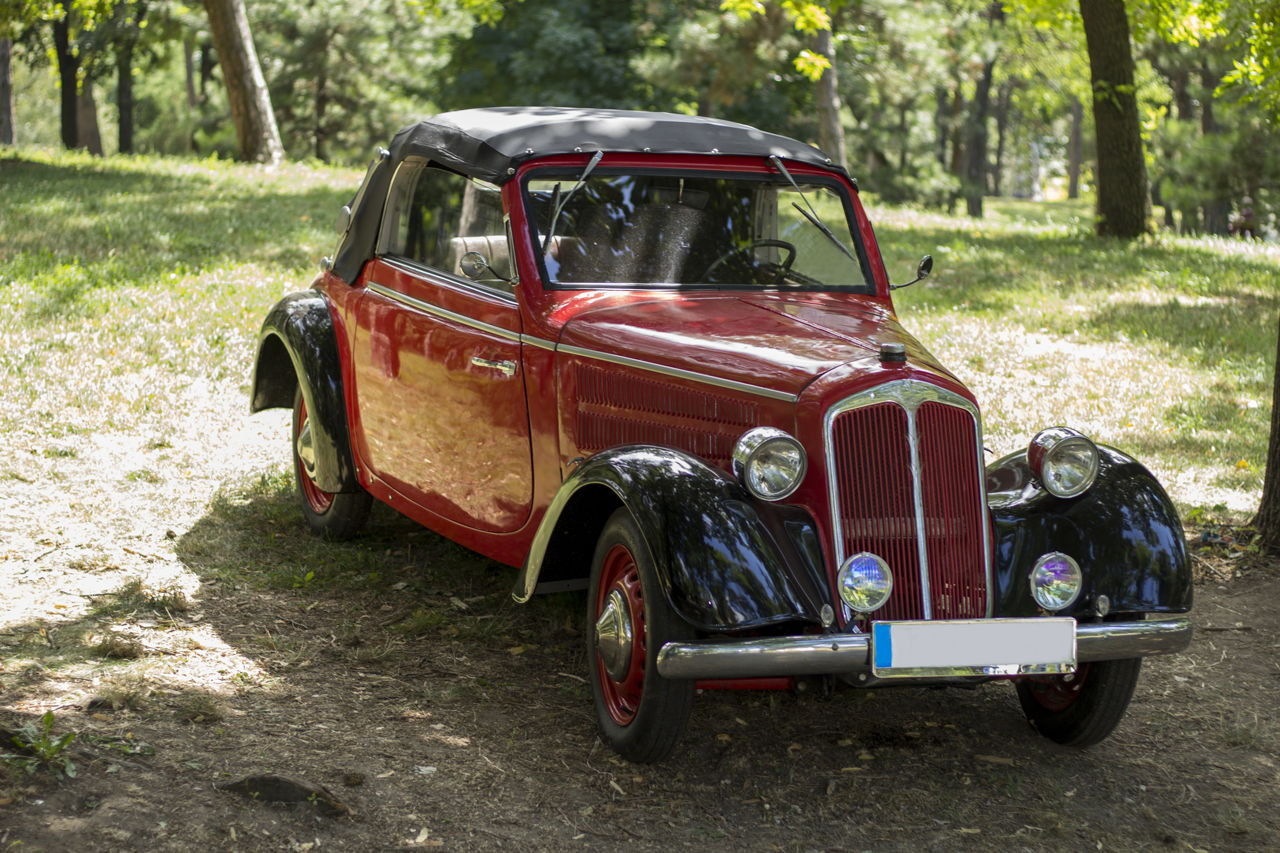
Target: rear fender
x,y
298,346
1124,532
726,561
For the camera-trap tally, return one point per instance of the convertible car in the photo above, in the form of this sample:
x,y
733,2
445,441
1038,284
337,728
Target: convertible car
x,y
655,357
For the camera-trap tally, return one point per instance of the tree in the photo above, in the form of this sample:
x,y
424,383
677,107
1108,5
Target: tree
x,y
6,93
1122,171
251,113
68,74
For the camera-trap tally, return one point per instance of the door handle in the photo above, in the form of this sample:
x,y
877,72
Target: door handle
x,y
506,368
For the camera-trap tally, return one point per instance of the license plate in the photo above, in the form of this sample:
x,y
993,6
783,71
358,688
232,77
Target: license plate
x,y
965,647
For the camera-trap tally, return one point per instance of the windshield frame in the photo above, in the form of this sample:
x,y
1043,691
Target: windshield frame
x,y
570,170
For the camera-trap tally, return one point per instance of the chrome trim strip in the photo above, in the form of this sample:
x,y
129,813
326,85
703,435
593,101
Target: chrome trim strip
x,y
833,654
917,501
910,394
540,343
427,307
678,373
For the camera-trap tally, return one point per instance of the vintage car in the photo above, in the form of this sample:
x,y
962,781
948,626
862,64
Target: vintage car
x,y
655,357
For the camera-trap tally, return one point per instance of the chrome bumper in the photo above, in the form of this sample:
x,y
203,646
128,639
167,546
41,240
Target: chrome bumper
x,y
838,654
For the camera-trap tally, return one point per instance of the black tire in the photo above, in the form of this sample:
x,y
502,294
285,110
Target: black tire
x,y
339,515
639,714
1081,709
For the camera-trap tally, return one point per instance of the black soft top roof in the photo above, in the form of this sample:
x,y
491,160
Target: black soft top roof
x,y
490,143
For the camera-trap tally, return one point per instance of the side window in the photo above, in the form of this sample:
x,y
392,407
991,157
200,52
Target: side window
x,y
435,217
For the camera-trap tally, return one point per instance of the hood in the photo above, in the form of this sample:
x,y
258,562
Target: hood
x,y
778,341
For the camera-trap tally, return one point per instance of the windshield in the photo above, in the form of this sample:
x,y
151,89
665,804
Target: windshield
x,y
692,230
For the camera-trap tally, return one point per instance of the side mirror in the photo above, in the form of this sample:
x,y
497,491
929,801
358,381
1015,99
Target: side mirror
x,y
922,272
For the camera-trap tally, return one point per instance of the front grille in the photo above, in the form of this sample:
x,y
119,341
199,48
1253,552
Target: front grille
x,y
925,508
615,409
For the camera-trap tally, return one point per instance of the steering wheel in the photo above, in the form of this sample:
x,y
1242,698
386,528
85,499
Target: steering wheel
x,y
746,253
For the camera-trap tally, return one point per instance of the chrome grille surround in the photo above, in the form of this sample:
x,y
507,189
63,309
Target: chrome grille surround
x,y
910,395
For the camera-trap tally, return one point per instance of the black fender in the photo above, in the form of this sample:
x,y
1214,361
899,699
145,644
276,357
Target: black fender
x,y
1124,532
726,561
298,345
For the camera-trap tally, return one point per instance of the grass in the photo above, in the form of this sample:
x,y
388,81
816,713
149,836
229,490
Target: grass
x,y
125,282
1164,347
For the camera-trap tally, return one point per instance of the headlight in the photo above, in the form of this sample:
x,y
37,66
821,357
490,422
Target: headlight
x,y
1056,581
864,582
1063,460
769,463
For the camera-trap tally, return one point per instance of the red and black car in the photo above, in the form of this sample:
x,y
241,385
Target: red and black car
x,y
655,357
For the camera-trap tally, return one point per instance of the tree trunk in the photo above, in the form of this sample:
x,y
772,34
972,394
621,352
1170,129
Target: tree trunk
x,y
251,112
68,71
124,96
940,122
87,120
1217,211
1003,102
904,134
321,105
124,78
975,183
827,95
208,62
1122,172
7,122
1075,148
189,70
1267,521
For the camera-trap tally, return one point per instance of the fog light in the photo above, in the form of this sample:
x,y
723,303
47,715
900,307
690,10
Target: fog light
x,y
1065,461
1056,581
769,463
864,582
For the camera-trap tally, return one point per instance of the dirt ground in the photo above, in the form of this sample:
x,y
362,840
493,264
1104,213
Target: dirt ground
x,y
148,604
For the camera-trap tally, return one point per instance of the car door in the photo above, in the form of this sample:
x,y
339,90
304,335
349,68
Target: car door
x,y
441,417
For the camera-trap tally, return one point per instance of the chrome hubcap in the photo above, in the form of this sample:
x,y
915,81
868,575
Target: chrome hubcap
x,y
306,450
613,635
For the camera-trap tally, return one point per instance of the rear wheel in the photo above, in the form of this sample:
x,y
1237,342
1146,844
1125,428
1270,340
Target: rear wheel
x,y
640,714
1084,707
333,515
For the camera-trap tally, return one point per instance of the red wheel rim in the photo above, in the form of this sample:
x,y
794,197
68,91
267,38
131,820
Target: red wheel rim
x,y
1059,692
317,499
622,698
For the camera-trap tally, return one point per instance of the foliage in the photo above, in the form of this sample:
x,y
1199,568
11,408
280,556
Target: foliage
x,y
39,748
556,52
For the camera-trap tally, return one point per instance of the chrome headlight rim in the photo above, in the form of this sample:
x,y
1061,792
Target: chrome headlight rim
x,y
752,448
845,574
1076,575
1045,452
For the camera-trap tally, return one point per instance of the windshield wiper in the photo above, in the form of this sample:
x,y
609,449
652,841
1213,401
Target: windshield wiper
x,y
558,201
811,214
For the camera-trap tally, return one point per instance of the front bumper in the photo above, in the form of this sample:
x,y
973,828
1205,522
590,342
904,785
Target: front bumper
x,y
841,654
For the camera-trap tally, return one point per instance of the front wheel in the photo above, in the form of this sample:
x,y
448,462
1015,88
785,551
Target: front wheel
x,y
333,515
640,714
1082,708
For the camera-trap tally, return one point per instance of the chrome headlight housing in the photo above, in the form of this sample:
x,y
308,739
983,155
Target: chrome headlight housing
x,y
864,582
1065,461
1056,581
769,462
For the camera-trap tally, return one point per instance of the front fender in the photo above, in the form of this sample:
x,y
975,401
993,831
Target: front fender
x,y
298,346
726,561
1124,532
